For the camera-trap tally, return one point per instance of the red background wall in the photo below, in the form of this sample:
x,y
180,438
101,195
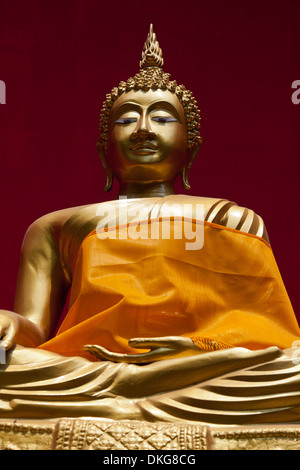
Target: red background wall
x,y
59,59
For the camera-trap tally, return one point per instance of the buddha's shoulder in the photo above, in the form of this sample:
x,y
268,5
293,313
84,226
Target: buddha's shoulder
x,y
72,219
229,214
81,220
57,218
53,223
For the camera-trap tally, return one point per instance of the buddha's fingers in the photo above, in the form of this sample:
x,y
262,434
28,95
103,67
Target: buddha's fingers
x,y
102,353
171,342
7,336
142,358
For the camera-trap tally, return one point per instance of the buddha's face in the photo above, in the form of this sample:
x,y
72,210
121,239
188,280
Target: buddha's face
x,y
147,137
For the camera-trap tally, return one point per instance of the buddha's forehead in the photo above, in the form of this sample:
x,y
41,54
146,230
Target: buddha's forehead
x,y
146,99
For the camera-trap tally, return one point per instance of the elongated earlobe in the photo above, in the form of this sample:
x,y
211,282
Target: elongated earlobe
x,y
108,172
109,182
186,169
185,177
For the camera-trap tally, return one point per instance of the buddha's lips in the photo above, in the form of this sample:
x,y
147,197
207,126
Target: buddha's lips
x,y
143,146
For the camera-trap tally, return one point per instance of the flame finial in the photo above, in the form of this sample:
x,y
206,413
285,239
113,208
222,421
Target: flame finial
x,y
152,53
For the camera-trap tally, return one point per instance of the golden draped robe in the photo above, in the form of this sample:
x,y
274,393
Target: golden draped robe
x,y
137,279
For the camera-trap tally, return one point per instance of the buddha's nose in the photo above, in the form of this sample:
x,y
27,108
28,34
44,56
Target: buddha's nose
x,y
143,129
143,134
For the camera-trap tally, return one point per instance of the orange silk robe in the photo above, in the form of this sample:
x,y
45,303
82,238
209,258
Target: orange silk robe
x,y
228,293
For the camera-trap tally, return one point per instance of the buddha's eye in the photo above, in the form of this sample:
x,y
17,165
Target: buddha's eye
x,y
163,119
125,120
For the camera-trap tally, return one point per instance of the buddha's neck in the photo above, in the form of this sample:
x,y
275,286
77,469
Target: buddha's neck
x,y
136,190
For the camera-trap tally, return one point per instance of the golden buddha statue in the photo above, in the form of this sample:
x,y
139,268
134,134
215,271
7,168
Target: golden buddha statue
x,y
193,326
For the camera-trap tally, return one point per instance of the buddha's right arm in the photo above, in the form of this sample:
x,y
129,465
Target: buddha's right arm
x,y
41,288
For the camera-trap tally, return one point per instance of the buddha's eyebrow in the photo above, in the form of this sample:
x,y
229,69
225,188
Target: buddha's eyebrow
x,y
164,105
125,107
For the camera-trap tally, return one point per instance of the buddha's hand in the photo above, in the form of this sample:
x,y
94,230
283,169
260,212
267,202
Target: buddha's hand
x,y
9,328
160,348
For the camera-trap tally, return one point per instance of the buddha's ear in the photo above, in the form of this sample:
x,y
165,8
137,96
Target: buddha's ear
x,y
108,172
192,153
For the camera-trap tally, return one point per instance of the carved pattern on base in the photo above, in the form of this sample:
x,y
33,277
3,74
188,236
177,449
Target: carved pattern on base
x,y
99,434
26,435
127,435
278,437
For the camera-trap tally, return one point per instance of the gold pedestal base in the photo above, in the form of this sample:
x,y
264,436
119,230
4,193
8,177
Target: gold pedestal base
x,y
100,434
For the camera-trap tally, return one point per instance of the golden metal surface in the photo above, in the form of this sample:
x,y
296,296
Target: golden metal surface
x,y
152,53
149,135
